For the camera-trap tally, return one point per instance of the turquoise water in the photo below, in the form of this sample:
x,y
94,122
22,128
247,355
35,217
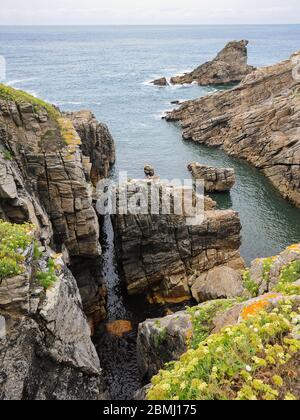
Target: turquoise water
x,y
106,69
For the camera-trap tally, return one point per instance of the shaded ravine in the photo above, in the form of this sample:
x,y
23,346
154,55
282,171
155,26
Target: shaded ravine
x,y
118,354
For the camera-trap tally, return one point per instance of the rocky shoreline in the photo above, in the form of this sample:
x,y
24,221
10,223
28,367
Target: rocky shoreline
x,y
257,121
52,290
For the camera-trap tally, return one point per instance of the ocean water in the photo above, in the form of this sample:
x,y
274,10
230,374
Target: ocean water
x,y
107,69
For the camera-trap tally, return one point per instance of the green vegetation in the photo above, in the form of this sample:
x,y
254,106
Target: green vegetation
x,y
202,318
289,275
48,278
256,359
14,239
160,337
250,285
233,363
9,94
7,155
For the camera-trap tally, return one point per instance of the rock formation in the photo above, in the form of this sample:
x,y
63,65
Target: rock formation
x,y
257,121
160,82
230,66
97,143
158,253
149,171
215,179
45,169
46,352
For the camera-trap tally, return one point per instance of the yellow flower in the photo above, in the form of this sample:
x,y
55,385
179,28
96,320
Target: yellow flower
x,y
278,381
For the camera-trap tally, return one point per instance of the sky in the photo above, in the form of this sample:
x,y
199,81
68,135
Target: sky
x,y
147,12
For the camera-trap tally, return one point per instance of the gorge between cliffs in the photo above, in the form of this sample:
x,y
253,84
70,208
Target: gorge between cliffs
x,y
94,307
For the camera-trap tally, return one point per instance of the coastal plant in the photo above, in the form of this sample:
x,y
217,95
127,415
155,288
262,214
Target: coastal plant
x,y
7,155
288,276
236,363
48,278
250,285
9,94
160,337
14,239
202,319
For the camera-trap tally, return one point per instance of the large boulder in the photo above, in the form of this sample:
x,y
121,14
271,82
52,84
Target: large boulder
x,y
215,179
219,283
230,66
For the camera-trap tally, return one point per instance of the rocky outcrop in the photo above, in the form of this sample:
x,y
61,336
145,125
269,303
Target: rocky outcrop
x,y
230,66
257,121
219,283
46,352
161,341
46,166
97,143
215,179
160,82
158,253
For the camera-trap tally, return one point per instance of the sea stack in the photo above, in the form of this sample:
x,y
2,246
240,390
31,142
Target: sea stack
x,y
230,66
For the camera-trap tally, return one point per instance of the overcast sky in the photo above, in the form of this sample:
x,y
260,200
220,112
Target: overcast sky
x,y
99,12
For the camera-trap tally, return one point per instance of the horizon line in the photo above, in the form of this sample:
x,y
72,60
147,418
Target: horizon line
x,y
145,24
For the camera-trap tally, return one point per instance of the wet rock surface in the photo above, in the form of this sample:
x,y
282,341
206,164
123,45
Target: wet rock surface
x,y
229,66
160,82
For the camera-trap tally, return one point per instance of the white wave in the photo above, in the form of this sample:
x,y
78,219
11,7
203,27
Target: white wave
x,y
70,103
15,82
162,114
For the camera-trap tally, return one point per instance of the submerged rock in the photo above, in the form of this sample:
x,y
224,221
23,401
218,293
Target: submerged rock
x,y
257,121
230,66
215,179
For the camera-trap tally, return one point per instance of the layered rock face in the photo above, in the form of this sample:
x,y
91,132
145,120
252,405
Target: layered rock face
x,y
158,253
257,121
97,143
46,352
45,172
215,179
230,66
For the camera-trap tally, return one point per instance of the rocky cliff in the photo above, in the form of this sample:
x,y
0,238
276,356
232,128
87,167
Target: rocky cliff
x,y
257,121
229,66
46,166
48,161
46,352
159,253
